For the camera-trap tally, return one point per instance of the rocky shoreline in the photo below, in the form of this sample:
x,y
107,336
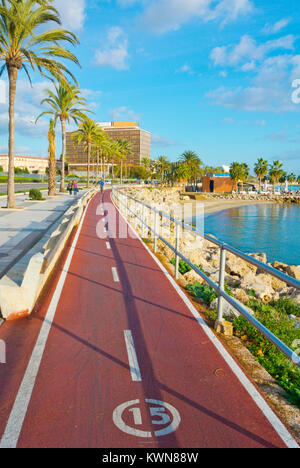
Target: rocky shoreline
x,y
244,279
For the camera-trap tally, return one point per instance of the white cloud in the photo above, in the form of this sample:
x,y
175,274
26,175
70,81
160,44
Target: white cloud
x,y
115,54
248,50
123,113
277,27
162,16
186,69
72,13
157,140
270,87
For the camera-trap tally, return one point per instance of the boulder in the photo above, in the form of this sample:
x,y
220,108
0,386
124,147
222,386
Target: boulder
x,y
233,281
294,271
262,291
280,266
237,266
193,277
241,296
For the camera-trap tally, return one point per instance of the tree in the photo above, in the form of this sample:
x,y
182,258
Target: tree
x,y
52,159
87,134
239,172
292,178
26,45
194,163
163,165
276,171
182,173
65,104
261,170
298,179
124,151
146,162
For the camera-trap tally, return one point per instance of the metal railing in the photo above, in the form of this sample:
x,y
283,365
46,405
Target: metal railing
x,y
122,199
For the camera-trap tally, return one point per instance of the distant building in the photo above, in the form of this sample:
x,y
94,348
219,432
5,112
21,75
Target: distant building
x,y
31,163
76,156
218,183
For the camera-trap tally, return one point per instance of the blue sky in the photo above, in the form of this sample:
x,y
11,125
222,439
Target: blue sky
x,y
214,76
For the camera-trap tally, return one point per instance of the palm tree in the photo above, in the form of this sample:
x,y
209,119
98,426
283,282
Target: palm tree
x,y
261,170
163,165
146,162
125,151
239,172
276,171
292,178
26,45
298,179
52,159
193,162
66,104
87,134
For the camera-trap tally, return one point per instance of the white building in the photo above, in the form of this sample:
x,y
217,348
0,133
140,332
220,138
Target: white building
x,y
31,163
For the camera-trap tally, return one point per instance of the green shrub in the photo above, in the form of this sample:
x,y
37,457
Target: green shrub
x,y
1,169
35,194
183,267
286,374
286,305
205,292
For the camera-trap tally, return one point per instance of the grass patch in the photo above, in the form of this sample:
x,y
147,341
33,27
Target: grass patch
x,y
286,374
287,306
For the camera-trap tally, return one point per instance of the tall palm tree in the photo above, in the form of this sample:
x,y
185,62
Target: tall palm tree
x,y
146,162
125,151
66,104
26,45
237,172
87,135
52,159
275,172
163,165
261,170
292,178
193,162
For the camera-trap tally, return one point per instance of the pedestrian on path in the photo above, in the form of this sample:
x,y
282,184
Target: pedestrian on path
x,y
75,188
70,187
101,183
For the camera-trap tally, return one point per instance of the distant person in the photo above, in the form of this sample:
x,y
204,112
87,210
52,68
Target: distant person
x,y
70,187
101,183
75,188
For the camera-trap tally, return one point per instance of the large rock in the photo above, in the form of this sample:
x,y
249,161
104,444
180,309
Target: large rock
x,y
294,271
192,277
262,291
237,266
241,295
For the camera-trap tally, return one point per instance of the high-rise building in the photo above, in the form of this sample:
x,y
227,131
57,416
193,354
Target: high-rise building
x,y
76,156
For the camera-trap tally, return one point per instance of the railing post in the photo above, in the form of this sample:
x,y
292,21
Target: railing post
x,y
155,230
143,220
177,250
221,286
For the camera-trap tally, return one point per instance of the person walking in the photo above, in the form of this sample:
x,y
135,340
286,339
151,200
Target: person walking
x,y
70,187
75,188
101,185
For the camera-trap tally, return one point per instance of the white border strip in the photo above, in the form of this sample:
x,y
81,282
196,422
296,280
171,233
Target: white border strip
x,y
255,395
132,357
108,246
14,425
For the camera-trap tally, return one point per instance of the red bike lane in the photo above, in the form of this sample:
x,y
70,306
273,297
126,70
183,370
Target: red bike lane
x,y
125,363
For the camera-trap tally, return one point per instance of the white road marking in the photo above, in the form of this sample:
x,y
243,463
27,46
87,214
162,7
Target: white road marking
x,y
108,246
115,275
241,376
14,425
1,322
132,357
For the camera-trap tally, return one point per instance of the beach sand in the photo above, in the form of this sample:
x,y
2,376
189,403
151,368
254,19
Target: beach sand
x,y
213,206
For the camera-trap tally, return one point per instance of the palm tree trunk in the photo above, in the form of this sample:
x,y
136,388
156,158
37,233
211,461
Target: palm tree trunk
x,y
52,176
88,165
13,74
63,154
121,172
97,167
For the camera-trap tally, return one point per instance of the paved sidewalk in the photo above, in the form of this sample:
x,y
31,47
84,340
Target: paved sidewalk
x,y
21,230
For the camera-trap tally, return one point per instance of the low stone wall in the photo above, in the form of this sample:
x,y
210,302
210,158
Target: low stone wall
x,y
19,293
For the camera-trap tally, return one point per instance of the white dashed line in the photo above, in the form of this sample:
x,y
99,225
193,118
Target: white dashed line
x,y
108,246
115,275
132,357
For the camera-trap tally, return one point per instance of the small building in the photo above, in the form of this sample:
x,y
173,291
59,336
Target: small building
x,y
218,183
31,163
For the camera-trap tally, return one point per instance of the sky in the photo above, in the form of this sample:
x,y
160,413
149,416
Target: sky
x,y
212,76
